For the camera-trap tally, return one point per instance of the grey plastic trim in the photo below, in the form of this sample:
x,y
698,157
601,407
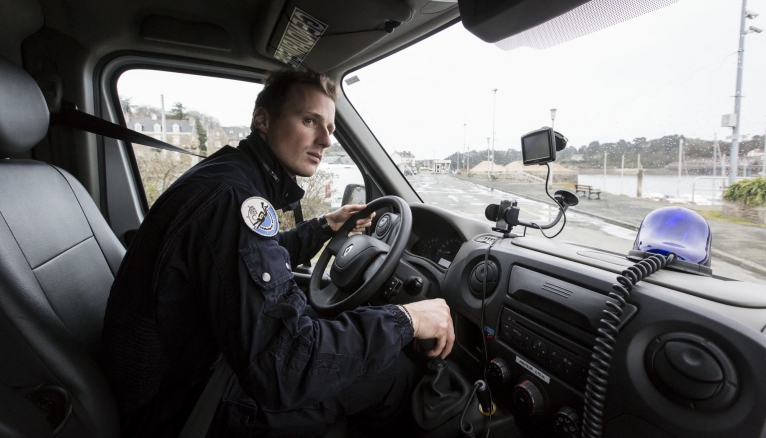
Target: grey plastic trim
x,y
735,293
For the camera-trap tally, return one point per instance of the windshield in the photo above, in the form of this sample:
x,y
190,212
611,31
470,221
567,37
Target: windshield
x,y
641,104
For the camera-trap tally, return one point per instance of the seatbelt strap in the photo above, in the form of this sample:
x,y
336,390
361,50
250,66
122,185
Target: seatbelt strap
x,y
201,416
70,116
298,212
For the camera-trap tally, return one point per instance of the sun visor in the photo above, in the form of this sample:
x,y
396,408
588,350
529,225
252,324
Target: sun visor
x,y
494,20
321,35
582,20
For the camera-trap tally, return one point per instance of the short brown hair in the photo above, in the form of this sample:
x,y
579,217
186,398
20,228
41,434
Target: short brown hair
x,y
277,86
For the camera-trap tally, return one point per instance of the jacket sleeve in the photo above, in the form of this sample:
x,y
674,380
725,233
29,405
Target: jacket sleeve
x,y
283,358
304,241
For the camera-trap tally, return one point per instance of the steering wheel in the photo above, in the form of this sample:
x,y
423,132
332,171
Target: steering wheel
x,y
362,263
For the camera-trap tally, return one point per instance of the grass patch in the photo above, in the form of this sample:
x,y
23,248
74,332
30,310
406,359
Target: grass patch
x,y
717,215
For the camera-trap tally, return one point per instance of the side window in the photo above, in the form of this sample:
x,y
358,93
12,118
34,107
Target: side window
x,y
324,190
183,110
202,114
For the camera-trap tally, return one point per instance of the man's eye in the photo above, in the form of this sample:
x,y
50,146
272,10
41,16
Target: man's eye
x,y
309,121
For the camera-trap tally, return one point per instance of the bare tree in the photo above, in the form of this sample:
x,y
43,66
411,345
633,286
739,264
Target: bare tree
x,y
158,170
314,202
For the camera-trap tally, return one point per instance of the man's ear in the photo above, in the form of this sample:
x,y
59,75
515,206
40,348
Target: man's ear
x,y
262,120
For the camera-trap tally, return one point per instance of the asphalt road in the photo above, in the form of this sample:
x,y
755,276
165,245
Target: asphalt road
x,y
470,199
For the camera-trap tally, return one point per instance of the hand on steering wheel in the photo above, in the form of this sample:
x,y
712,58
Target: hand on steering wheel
x,y
362,263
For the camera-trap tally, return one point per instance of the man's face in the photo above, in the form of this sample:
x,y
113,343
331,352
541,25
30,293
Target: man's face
x,y
301,133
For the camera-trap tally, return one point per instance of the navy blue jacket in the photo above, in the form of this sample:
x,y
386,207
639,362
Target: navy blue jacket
x,y
197,282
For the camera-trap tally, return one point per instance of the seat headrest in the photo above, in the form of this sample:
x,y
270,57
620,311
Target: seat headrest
x,y
23,112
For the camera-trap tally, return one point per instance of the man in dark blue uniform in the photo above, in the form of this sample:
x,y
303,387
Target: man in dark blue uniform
x,y
209,273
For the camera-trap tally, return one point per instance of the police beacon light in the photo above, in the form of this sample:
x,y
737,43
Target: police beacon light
x,y
675,230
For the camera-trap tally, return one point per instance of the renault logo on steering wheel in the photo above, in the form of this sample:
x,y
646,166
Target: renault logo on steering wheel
x,y
347,250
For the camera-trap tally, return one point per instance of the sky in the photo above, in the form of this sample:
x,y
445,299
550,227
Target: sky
x,y
230,101
672,71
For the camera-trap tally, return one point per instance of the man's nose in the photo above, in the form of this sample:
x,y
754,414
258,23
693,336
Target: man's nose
x,y
323,138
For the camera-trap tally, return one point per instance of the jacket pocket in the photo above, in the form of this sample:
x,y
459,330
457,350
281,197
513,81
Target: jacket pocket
x,y
267,262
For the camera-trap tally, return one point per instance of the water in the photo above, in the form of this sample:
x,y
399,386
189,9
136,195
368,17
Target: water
x,y
706,191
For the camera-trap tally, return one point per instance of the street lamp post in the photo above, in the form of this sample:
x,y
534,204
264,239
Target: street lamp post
x,y
553,118
491,159
468,162
458,163
494,111
763,157
734,155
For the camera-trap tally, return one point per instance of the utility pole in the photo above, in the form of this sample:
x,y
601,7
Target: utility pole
x,y
715,151
604,185
680,157
162,103
622,171
494,111
763,157
734,155
639,179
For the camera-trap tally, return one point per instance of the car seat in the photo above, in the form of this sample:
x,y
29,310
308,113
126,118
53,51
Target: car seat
x,y
58,259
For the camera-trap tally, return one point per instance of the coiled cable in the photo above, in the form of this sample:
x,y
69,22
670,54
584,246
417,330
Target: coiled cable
x,y
601,360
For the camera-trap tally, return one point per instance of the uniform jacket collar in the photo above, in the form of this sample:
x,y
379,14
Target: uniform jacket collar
x,y
280,188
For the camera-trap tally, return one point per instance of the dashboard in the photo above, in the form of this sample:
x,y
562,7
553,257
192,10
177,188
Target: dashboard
x,y
687,360
435,239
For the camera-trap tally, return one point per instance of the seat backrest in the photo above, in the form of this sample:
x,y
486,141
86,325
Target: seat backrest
x,y
58,258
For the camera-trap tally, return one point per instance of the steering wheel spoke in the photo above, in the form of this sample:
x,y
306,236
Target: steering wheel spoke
x,y
336,243
373,268
362,263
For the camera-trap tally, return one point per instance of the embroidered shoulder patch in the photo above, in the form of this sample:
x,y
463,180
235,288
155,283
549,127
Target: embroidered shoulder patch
x,y
260,216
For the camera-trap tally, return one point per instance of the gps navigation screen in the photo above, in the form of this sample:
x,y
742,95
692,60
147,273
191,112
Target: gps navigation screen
x,y
536,148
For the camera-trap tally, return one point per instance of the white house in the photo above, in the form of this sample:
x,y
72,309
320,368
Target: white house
x,y
403,158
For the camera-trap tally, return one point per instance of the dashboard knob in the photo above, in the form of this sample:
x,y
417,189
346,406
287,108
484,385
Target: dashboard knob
x,y
567,423
529,399
498,374
414,285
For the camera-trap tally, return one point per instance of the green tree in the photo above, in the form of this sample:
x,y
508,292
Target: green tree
x,y
202,136
126,105
750,192
178,111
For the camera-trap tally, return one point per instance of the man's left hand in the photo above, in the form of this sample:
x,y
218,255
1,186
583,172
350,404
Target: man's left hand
x,y
337,218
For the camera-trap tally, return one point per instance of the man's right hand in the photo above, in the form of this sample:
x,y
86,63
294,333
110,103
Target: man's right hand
x,y
431,320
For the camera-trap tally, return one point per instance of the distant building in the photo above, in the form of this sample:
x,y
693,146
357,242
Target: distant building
x,y
220,136
403,158
181,133
441,166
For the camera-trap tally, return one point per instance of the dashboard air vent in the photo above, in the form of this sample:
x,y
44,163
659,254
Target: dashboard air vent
x,y
486,239
691,371
477,278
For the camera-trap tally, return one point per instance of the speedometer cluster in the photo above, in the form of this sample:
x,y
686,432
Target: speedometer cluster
x,y
440,250
437,240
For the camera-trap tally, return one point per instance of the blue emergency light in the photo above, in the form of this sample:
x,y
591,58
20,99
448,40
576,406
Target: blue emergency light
x,y
675,230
